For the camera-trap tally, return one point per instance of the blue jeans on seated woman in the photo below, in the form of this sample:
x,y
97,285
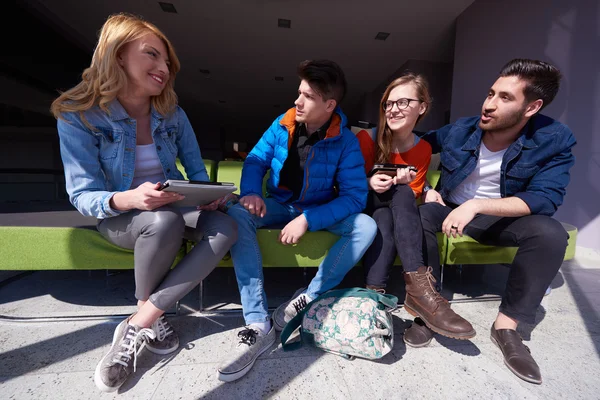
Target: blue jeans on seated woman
x,y
357,232
399,232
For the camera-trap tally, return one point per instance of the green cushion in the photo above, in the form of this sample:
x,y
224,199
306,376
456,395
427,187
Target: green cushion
x,y
208,164
433,177
231,171
31,248
211,169
466,250
309,252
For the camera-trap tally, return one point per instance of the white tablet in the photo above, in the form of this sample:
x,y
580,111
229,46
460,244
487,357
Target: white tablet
x,y
197,193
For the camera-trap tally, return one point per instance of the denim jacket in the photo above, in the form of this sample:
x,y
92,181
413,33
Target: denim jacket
x,y
534,168
100,162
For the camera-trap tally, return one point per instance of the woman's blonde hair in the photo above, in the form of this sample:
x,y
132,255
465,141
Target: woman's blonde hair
x,y
104,78
385,135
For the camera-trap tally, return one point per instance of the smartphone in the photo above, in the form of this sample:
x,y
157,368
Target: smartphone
x,y
390,169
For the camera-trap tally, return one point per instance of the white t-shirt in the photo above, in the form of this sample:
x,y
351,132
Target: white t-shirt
x,y
147,165
484,181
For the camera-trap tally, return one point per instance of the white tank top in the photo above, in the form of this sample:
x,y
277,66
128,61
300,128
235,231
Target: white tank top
x,y
147,165
484,181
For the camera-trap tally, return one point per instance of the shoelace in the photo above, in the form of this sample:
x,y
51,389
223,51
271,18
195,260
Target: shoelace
x,y
300,303
162,328
247,336
430,280
129,346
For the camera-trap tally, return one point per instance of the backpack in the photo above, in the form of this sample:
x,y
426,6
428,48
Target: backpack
x,y
353,322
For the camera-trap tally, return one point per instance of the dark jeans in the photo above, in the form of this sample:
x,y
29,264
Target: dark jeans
x,y
542,242
399,232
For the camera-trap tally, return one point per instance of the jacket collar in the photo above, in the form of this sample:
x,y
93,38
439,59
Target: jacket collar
x,y
116,112
525,138
288,121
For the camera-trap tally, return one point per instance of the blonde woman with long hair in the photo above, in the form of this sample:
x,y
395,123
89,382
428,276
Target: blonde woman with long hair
x,y
121,131
405,102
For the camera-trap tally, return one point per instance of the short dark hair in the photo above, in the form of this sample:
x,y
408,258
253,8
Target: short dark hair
x,y
543,79
325,77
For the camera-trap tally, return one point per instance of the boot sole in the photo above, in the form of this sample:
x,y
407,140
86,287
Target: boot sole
x,y
97,380
234,376
416,346
452,335
162,352
278,328
525,378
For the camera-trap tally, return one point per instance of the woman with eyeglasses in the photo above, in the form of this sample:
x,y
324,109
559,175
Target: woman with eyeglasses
x,y
393,204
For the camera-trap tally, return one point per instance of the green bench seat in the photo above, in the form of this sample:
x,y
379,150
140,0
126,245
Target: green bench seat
x,y
48,239
55,236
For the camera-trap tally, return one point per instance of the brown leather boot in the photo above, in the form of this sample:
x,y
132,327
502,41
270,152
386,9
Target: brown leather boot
x,y
422,300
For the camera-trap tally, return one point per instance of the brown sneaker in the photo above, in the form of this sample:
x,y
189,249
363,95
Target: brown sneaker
x,y
418,334
422,300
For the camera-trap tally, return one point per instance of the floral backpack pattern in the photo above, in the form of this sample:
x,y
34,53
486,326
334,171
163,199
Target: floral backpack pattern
x,y
349,322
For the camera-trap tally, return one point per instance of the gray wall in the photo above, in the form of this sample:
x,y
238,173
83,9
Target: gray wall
x,y
439,76
566,33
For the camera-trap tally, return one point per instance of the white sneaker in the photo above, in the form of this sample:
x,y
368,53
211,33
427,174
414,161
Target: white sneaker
x,y
288,310
252,342
279,314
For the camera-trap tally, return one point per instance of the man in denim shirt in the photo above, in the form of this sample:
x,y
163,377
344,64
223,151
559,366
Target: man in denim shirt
x,y
504,174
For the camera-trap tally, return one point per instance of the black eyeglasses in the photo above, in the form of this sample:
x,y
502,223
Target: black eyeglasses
x,y
402,104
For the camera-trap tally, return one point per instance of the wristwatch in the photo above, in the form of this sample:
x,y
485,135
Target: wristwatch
x,y
426,188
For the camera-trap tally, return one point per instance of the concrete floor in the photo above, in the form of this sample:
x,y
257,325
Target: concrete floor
x,y
57,360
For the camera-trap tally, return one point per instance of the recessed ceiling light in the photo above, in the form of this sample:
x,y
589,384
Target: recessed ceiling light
x,y
279,78
381,35
204,71
167,7
284,23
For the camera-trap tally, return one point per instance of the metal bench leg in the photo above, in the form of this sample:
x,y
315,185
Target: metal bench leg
x,y
201,297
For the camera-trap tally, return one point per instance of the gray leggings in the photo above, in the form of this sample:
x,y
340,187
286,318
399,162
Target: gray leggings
x,y
155,237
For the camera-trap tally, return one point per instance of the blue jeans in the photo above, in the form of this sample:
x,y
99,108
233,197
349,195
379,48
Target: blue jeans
x,y
357,232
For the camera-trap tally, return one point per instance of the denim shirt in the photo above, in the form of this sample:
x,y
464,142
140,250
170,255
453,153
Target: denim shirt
x,y
100,162
535,168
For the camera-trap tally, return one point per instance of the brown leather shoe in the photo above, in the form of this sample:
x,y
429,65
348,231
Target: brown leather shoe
x,y
422,300
418,334
517,356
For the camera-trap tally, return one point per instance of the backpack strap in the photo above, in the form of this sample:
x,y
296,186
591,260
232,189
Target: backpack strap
x,y
290,327
388,300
